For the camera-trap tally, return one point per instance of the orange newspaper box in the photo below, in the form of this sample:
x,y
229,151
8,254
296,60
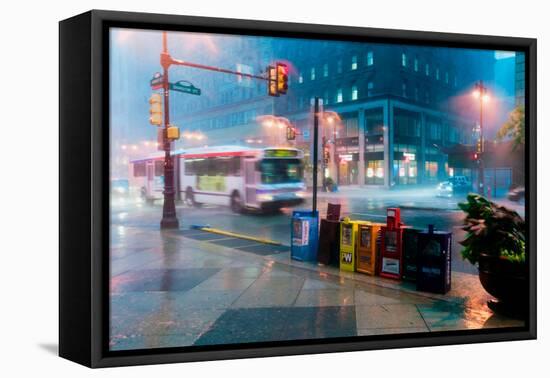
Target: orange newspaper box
x,y
367,247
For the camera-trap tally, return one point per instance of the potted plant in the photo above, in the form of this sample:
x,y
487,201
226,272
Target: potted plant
x,y
495,243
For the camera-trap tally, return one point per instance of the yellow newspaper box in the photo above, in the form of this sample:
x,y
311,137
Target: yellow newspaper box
x,y
348,243
368,235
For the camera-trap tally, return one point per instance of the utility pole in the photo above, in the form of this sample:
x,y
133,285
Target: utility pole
x,y
169,217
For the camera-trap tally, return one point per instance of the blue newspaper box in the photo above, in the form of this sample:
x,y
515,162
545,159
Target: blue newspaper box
x,y
304,234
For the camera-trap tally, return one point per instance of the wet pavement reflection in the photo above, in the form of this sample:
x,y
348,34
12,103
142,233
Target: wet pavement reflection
x,y
168,289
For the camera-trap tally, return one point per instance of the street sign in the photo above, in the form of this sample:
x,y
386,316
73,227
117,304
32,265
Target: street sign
x,y
185,87
156,81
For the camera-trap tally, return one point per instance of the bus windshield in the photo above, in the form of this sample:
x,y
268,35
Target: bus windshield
x,y
280,171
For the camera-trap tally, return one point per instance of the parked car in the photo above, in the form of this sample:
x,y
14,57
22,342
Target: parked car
x,y
517,194
453,186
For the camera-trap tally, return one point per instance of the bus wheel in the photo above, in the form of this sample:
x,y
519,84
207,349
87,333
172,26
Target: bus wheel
x,y
236,202
190,197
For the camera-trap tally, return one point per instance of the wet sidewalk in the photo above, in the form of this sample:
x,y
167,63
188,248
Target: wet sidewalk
x,y
170,289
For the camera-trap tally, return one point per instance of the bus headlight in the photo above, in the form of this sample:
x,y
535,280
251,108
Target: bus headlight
x,y
265,197
301,194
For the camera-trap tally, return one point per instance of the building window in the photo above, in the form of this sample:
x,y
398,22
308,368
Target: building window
x,y
437,74
339,66
404,90
374,174
403,60
325,98
354,62
416,93
370,58
354,93
446,77
312,76
455,81
415,64
427,69
300,78
339,95
370,87
325,70
431,170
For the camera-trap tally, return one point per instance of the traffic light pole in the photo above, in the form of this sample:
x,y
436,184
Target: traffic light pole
x,y
169,216
315,151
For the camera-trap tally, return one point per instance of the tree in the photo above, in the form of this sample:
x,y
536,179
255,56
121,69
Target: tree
x,y
514,127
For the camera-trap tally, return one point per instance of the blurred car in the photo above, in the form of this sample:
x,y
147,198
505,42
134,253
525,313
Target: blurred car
x,y
517,194
453,186
119,187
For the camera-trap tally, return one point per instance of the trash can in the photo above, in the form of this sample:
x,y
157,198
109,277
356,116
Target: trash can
x,y
304,233
434,261
329,237
410,253
367,247
348,243
329,242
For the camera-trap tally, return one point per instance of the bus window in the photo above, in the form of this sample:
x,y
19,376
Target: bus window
x,y
159,168
278,171
139,169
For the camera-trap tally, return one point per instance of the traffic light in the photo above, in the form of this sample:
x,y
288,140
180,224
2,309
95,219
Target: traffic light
x,y
155,109
173,132
282,78
479,146
272,81
326,155
290,133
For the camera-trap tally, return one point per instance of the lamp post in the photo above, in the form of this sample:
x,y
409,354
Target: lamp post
x,y
480,93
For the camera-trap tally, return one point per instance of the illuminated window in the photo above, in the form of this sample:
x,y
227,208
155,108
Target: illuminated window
x,y
339,66
312,76
354,93
370,58
416,64
354,62
370,87
437,74
325,70
431,169
427,69
339,95
300,79
404,60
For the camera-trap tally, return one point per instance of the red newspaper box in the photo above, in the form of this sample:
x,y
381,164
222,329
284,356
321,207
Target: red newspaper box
x,y
391,249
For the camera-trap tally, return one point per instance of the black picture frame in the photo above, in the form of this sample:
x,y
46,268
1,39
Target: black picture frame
x,y
84,185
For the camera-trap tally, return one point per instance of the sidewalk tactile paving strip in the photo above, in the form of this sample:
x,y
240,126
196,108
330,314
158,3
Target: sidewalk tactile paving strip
x,y
207,236
265,249
235,242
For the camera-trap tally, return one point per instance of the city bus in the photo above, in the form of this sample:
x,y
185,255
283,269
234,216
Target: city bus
x,y
235,176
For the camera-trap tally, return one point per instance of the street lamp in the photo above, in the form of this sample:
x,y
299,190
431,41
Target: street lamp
x,y
480,93
330,119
